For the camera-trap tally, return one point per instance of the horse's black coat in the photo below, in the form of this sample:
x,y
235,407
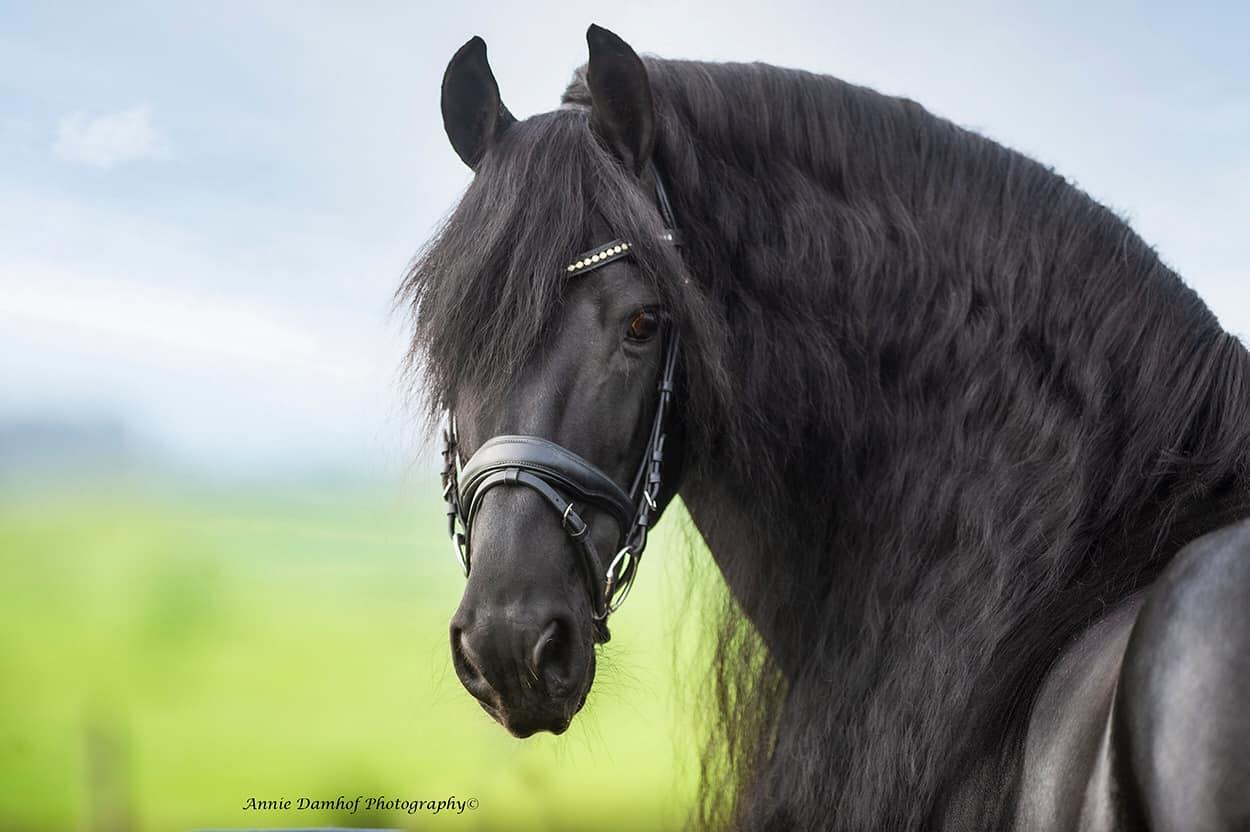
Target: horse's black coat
x,y
955,408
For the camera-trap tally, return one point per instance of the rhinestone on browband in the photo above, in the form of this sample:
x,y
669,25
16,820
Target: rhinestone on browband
x,y
605,253
610,252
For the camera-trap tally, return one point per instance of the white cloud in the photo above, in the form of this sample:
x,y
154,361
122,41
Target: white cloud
x,y
167,325
221,379
110,139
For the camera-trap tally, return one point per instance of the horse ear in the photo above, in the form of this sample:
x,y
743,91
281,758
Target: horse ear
x,y
622,112
473,114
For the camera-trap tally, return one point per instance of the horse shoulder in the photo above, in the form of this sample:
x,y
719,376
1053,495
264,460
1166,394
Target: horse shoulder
x,y
1180,735
1143,723
1066,737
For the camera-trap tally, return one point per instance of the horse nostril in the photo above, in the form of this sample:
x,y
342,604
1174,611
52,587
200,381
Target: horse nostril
x,y
551,658
466,667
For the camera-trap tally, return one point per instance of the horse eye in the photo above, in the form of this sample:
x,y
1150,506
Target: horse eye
x,y
643,326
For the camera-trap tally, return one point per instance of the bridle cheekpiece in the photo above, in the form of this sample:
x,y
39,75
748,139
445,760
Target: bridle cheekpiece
x,y
564,479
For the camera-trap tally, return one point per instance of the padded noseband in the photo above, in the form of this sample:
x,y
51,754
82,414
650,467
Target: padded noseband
x,y
553,463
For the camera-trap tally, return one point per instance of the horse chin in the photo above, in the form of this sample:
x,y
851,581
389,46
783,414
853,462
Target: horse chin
x,y
551,714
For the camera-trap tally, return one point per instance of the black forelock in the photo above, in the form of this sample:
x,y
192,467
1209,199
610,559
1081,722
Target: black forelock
x,y
485,291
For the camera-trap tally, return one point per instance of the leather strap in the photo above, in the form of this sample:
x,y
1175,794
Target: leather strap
x,y
574,526
555,463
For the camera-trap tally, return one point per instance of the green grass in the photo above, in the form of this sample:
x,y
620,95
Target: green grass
x,y
167,654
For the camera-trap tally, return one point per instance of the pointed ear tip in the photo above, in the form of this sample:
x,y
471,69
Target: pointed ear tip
x,y
597,34
473,46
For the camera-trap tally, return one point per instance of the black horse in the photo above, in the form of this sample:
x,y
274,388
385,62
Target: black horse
x,y
974,464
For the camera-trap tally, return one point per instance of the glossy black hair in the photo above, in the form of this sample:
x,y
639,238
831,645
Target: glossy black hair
x,y
959,407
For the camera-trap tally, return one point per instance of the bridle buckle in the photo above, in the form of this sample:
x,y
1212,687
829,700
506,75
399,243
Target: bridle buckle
x,y
572,522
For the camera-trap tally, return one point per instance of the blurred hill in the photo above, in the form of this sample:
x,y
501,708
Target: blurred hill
x,y
39,450
51,448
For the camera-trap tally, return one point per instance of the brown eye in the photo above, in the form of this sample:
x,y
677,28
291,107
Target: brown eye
x,y
643,326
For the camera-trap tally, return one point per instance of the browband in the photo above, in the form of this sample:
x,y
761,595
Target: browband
x,y
611,252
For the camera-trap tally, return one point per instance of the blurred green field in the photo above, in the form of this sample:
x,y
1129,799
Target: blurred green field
x,y
167,653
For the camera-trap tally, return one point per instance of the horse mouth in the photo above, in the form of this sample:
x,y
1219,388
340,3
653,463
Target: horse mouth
x,y
551,715
527,724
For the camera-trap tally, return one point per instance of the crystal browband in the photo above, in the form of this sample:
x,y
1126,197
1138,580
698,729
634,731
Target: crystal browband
x,y
601,255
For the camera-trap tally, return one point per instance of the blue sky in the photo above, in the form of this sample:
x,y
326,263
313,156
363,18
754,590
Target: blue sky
x,y
204,209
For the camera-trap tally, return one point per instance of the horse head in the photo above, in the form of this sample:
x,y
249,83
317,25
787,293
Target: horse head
x,y
554,477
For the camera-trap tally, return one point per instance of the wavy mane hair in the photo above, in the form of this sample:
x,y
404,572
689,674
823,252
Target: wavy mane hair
x,y
963,406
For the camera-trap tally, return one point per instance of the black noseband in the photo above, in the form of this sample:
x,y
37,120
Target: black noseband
x,y
552,463
562,478
559,476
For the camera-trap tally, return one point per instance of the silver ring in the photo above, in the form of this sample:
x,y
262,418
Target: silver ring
x,y
611,584
458,542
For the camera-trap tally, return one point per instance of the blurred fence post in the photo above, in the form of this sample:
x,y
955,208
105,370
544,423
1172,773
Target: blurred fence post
x,y
108,770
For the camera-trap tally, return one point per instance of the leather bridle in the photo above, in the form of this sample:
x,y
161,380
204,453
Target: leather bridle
x,y
563,479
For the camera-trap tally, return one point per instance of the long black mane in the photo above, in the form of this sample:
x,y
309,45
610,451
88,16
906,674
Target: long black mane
x,y
964,408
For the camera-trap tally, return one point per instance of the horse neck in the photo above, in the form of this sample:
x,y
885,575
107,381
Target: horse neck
x,y
973,349
961,394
